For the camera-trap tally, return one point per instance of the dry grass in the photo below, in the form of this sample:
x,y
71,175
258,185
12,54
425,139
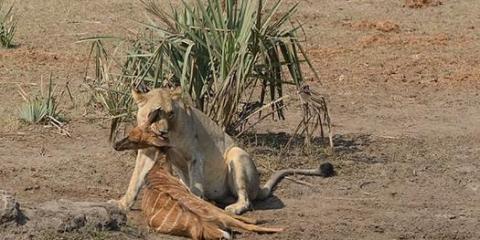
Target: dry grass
x,y
8,23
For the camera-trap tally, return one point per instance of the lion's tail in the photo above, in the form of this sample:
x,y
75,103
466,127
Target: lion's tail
x,y
325,170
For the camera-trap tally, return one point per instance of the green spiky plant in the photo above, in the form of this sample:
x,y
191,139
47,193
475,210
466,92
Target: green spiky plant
x,y
221,52
40,108
111,91
8,24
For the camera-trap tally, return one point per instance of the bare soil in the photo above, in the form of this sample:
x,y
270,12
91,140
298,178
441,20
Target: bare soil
x,y
403,85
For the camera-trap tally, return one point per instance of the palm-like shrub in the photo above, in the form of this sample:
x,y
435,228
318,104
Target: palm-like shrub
x,y
221,52
40,108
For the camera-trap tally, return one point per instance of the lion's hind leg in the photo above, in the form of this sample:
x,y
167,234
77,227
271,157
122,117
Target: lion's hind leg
x,y
243,180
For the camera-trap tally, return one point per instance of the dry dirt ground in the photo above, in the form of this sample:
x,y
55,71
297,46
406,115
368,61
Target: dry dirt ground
x,y
403,86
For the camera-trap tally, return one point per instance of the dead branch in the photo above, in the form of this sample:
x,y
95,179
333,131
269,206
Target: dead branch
x,y
298,181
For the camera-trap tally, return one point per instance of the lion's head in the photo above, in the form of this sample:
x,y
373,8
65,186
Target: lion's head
x,y
156,106
143,136
154,118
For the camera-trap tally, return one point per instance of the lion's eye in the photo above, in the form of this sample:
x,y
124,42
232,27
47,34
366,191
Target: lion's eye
x,y
154,115
171,115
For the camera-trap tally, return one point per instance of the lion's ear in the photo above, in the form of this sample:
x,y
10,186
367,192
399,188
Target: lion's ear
x,y
138,96
138,92
176,93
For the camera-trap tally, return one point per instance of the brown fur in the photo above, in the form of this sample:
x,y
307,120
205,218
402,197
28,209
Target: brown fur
x,y
171,208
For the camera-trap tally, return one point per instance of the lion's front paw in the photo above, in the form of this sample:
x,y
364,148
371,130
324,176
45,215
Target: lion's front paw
x,y
237,208
120,204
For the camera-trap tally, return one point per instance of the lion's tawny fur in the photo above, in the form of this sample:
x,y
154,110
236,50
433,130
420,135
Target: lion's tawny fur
x,y
207,159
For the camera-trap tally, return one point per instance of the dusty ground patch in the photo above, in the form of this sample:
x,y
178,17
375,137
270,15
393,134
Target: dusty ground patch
x,y
404,104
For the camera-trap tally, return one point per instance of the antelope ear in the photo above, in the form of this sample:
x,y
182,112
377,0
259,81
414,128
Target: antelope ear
x,y
125,144
132,141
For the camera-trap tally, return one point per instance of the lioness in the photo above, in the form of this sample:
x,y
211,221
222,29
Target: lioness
x,y
207,159
170,207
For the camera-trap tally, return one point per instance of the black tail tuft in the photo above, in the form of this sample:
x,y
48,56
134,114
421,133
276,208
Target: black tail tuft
x,y
327,169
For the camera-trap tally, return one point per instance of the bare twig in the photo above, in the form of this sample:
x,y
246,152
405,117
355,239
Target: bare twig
x,y
59,125
347,199
259,120
22,93
282,151
13,134
20,83
299,181
310,101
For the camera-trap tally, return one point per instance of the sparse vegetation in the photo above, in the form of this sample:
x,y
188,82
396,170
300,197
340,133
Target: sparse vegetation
x,y
110,91
221,53
44,107
8,24
38,109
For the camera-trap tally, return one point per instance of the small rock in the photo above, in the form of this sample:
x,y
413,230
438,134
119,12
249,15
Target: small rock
x,y
9,208
59,215
30,188
378,229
